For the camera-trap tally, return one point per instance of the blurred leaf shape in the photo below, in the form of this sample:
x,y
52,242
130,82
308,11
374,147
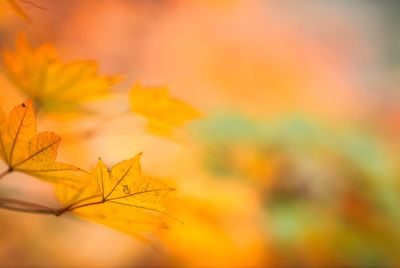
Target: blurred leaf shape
x,y
163,112
54,85
122,198
26,151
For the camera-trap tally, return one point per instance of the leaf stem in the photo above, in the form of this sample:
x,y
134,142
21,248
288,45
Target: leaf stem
x,y
21,203
28,210
29,207
76,204
5,173
24,206
70,208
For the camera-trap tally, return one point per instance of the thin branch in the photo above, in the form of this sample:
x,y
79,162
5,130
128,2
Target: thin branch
x,y
76,204
28,210
25,206
22,203
70,208
30,207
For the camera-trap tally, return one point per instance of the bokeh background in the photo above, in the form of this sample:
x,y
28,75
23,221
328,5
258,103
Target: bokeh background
x,y
295,162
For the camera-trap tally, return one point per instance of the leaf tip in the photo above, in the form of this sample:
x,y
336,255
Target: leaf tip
x,y
138,156
27,103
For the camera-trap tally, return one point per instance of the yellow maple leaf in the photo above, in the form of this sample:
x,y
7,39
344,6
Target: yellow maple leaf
x,y
53,85
163,112
26,151
122,198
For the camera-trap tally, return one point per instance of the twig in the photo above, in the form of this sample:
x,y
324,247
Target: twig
x,y
77,204
70,208
21,203
25,206
28,210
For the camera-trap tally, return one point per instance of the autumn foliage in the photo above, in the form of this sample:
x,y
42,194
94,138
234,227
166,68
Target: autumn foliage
x,y
199,133
122,197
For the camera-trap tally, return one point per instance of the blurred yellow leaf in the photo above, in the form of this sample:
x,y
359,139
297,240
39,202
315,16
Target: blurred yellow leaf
x,y
53,85
122,198
163,112
26,151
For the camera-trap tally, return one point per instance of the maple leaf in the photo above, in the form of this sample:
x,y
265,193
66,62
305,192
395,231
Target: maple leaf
x,y
53,85
122,198
163,112
26,151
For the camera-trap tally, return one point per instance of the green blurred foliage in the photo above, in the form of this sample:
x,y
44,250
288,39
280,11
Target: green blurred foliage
x,y
333,188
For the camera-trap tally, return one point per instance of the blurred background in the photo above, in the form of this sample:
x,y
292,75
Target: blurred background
x,y
294,164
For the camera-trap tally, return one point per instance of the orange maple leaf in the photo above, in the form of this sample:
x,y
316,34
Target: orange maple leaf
x,y
53,85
